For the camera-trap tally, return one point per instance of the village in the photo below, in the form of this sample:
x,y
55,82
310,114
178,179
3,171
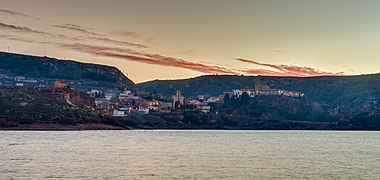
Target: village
x,y
124,103
121,103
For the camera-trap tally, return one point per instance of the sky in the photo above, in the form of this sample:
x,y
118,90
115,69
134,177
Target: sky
x,y
175,39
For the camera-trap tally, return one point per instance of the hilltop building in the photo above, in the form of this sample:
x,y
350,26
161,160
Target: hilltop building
x,y
237,92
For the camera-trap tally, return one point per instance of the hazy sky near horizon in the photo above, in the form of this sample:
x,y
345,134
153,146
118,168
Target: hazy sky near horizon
x,y
170,39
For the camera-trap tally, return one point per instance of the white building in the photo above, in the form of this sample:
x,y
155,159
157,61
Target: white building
x,y
254,93
213,99
237,92
125,94
201,97
117,113
29,81
109,96
143,111
93,92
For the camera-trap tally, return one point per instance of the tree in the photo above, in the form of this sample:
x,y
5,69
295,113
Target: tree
x,y
176,105
226,98
244,99
133,103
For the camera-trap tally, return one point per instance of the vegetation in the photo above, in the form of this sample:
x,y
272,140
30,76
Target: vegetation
x,y
22,106
347,102
324,89
28,106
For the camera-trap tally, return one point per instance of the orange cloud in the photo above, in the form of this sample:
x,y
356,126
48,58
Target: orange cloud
x,y
21,29
115,42
26,30
120,50
14,13
133,34
147,58
77,28
263,72
111,51
288,70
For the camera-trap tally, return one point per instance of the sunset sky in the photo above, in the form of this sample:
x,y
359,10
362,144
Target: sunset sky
x,y
171,39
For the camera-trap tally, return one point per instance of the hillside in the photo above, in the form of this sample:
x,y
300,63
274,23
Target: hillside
x,y
325,89
345,102
31,108
45,67
29,105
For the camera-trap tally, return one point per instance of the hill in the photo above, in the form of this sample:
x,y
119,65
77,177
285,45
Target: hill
x,y
31,108
51,68
329,90
344,102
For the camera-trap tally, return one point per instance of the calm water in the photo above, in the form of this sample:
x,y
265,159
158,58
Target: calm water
x,y
190,155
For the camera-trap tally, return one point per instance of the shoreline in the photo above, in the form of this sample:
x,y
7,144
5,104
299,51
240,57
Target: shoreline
x,y
59,127
95,127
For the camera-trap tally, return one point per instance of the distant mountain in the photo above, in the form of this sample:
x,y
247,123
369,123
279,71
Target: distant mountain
x,y
45,67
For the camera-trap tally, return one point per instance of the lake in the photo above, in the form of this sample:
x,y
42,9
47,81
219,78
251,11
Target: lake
x,y
198,154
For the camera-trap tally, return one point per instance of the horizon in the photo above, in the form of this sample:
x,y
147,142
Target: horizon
x,y
190,39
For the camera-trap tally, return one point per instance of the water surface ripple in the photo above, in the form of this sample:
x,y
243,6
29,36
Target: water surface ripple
x,y
165,154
